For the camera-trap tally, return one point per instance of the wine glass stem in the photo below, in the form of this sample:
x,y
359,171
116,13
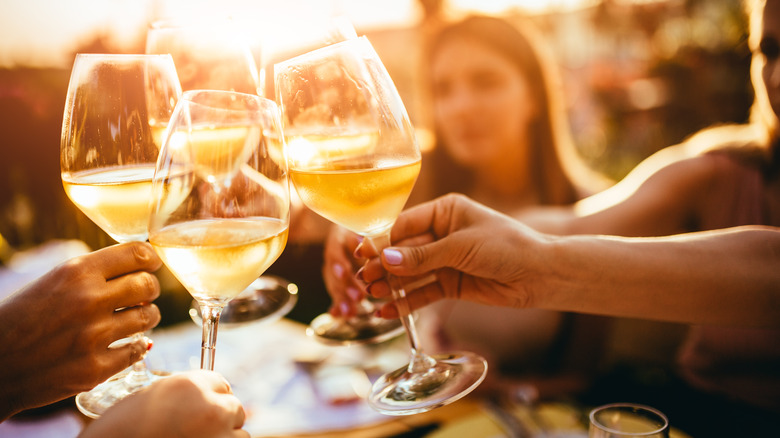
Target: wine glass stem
x,y
208,347
419,360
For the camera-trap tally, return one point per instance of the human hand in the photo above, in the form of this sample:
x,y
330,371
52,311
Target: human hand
x,y
193,404
56,330
476,254
337,271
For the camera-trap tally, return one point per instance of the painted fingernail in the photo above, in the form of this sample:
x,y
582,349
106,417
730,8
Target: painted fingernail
x,y
393,256
353,293
344,307
149,344
338,270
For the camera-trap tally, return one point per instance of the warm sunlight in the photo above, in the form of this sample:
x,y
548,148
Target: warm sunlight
x,y
44,33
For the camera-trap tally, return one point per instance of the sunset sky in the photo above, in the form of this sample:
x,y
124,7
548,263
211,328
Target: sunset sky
x,y
44,32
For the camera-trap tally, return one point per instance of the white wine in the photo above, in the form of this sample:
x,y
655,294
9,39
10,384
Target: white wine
x,y
115,198
218,153
318,151
216,259
158,134
366,201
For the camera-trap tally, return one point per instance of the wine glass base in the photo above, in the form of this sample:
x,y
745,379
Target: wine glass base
x,y
95,402
365,329
266,300
403,393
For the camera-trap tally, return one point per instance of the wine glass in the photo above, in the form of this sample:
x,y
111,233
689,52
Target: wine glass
x,y
353,159
221,200
116,110
212,55
627,420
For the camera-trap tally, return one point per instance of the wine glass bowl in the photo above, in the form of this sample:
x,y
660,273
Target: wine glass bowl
x,y
220,210
115,110
211,54
354,159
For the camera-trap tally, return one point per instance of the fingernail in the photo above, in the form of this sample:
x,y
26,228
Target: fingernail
x,y
353,293
344,307
393,256
359,274
149,344
338,270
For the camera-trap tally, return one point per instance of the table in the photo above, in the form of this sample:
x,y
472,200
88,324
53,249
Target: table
x,y
269,367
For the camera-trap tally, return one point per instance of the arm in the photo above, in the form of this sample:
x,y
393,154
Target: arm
x,y
55,331
723,277
659,197
719,277
193,404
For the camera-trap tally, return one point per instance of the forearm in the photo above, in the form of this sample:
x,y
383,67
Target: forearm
x,y
727,277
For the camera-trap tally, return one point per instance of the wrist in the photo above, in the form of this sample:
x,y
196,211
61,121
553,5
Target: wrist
x,y
559,272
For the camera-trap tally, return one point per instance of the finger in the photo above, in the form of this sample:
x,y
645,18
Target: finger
x,y
371,271
351,242
240,433
132,289
220,384
133,320
420,239
414,221
365,249
380,289
117,260
210,380
417,260
344,290
116,359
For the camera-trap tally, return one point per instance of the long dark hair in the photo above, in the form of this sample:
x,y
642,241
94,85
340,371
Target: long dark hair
x,y
552,155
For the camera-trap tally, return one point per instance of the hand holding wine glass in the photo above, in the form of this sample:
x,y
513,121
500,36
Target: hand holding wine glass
x,y
116,110
220,210
354,160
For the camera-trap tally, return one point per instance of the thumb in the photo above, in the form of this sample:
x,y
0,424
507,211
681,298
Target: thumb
x,y
415,260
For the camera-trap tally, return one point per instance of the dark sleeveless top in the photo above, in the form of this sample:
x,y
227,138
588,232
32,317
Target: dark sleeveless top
x,y
741,363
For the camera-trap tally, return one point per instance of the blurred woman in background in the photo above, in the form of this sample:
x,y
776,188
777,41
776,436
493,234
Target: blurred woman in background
x,y
503,139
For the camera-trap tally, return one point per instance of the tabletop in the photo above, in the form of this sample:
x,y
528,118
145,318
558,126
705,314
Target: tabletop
x,y
285,381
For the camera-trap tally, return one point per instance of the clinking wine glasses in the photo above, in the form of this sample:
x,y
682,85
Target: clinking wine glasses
x,y
353,159
220,209
213,55
116,110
